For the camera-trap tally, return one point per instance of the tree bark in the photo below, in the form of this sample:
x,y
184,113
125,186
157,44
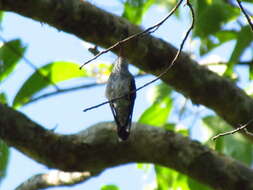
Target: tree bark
x,y
148,53
55,179
97,148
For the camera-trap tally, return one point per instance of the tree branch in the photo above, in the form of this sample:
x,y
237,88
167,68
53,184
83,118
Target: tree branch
x,y
147,53
54,179
97,148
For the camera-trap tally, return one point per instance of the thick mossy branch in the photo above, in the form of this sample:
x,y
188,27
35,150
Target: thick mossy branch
x,y
148,53
97,148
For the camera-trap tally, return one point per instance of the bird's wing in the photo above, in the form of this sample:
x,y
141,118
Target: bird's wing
x,y
121,130
114,113
131,96
124,130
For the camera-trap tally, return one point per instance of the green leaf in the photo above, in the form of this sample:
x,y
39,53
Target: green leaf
x,y
157,114
3,98
226,35
53,72
244,39
109,187
250,1
10,53
143,166
163,178
216,40
238,148
251,71
233,145
1,16
177,129
219,145
195,185
135,9
169,179
168,4
210,16
159,92
170,126
4,159
216,124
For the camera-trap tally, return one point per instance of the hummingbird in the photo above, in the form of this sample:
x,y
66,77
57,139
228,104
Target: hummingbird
x,y
121,83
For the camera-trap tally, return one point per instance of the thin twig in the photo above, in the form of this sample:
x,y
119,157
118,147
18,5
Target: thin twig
x,y
147,31
247,132
245,14
28,62
242,127
64,90
164,72
235,6
248,63
178,52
